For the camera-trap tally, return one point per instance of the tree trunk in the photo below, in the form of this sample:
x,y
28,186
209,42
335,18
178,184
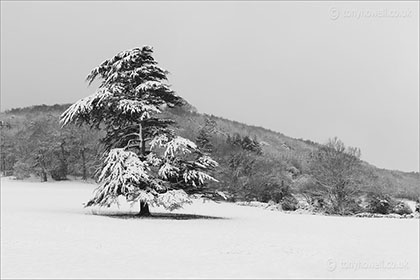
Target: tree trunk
x,y
142,140
3,163
144,209
143,147
44,177
84,174
63,160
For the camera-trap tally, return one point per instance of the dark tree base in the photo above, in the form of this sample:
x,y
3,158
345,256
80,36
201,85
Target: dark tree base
x,y
144,209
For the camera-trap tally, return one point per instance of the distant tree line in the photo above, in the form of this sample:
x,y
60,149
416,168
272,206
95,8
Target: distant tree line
x,y
330,178
36,145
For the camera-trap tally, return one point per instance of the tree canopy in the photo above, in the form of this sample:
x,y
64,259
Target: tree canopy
x,y
144,160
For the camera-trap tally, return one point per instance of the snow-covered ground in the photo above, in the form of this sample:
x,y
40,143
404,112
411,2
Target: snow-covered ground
x,y
46,233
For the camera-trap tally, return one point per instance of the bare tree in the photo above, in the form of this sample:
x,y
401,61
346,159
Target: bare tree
x,y
335,168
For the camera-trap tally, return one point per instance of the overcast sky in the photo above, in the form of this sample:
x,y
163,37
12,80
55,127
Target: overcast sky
x,y
309,70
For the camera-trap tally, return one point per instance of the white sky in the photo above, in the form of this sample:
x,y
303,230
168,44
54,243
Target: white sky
x,y
293,67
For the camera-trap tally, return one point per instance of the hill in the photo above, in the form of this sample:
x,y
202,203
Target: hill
x,y
75,151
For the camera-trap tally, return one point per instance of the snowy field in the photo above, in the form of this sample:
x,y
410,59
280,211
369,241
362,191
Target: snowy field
x,y
46,233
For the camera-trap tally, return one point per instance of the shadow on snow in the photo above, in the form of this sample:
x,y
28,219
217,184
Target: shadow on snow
x,y
159,216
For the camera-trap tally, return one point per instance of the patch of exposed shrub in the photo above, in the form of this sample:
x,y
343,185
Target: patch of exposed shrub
x,y
402,208
380,203
353,207
289,203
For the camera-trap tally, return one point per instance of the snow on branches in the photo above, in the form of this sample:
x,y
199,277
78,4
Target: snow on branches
x,y
172,146
172,199
151,85
125,173
136,57
145,161
196,178
206,162
84,106
122,173
137,107
168,170
124,168
132,85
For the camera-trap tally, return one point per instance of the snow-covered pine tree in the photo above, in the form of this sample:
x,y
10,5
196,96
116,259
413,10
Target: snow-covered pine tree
x,y
144,160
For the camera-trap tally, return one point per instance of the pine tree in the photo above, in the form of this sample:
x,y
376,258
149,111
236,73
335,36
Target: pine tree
x,y
144,160
204,135
245,143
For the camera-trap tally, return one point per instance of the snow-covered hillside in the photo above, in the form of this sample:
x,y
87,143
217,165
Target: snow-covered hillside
x,y
46,233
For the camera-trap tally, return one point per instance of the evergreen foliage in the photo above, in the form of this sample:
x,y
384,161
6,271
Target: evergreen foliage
x,y
205,134
245,142
145,160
